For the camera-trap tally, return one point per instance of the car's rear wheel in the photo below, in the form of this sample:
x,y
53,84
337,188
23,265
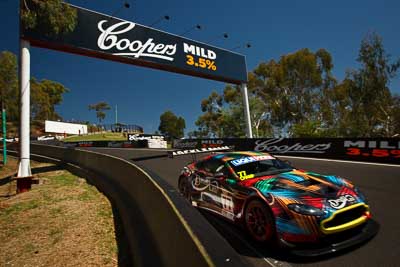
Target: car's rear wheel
x,y
259,221
183,187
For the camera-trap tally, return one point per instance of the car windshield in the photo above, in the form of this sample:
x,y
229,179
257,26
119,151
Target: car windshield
x,y
250,167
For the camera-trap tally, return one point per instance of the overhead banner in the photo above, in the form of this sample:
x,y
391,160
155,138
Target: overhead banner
x,y
101,36
385,150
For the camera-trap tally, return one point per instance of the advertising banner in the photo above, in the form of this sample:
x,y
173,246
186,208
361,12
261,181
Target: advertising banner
x,y
386,150
101,36
64,127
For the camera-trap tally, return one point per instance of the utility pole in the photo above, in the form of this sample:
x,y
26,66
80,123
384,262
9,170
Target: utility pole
x,y
116,114
3,117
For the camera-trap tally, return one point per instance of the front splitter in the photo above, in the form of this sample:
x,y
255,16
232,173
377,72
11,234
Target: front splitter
x,y
363,234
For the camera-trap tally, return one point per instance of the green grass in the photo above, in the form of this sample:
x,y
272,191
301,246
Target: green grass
x,y
97,137
65,179
20,207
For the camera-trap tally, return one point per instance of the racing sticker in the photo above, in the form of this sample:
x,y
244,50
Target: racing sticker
x,y
341,201
243,175
227,203
201,184
245,160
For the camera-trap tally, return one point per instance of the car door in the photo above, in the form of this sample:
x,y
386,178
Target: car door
x,y
216,197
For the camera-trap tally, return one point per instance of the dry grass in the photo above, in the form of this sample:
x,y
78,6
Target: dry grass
x,y
61,222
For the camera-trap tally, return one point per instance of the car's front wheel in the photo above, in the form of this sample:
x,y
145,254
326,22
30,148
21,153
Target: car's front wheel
x,y
259,221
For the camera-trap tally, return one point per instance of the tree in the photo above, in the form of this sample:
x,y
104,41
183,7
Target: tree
x,y
171,126
52,17
100,108
395,116
45,96
9,84
291,89
370,86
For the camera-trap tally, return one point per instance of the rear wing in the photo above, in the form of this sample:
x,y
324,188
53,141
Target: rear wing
x,y
175,153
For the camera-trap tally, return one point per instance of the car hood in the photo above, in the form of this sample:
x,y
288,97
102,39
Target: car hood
x,y
297,184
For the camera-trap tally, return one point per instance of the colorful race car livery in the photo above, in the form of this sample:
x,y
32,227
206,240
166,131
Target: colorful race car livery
x,y
313,213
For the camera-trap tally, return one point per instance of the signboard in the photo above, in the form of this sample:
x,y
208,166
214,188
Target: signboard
x,y
136,137
64,127
386,150
101,36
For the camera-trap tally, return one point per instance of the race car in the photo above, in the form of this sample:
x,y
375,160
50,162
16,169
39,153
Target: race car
x,y
309,213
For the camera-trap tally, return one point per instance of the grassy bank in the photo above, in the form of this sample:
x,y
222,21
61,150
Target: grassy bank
x,y
97,137
63,221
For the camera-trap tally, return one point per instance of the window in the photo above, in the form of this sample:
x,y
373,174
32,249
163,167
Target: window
x,y
212,165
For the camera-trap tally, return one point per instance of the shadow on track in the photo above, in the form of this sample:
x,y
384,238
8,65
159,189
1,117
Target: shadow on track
x,y
236,236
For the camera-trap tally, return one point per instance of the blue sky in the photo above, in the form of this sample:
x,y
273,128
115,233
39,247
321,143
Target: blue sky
x,y
274,28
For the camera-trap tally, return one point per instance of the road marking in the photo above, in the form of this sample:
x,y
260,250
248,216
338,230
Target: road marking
x,y
342,161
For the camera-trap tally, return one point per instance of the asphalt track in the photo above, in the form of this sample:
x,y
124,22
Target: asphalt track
x,y
381,185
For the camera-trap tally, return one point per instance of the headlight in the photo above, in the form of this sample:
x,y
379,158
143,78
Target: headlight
x,y
305,209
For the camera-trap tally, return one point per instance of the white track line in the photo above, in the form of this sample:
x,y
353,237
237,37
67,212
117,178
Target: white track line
x,y
342,161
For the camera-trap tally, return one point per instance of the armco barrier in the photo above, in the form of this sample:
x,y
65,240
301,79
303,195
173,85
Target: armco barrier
x,y
384,150
158,234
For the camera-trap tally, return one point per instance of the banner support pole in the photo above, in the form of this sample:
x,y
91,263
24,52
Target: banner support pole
x,y
24,176
249,133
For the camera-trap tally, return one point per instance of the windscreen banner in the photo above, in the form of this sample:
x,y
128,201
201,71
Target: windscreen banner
x,y
102,36
385,150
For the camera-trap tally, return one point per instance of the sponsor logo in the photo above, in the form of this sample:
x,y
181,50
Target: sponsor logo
x,y
341,201
373,144
272,146
108,39
185,145
199,51
192,151
212,142
137,137
201,184
245,160
241,161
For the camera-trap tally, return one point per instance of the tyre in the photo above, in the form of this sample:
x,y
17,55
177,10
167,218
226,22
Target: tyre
x,y
259,221
183,187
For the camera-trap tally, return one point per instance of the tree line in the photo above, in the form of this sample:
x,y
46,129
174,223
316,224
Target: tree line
x,y
45,94
298,96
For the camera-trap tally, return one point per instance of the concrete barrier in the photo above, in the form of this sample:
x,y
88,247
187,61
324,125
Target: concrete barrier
x,y
157,232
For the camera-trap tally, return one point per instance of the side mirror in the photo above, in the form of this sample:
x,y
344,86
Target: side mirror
x,y
288,162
